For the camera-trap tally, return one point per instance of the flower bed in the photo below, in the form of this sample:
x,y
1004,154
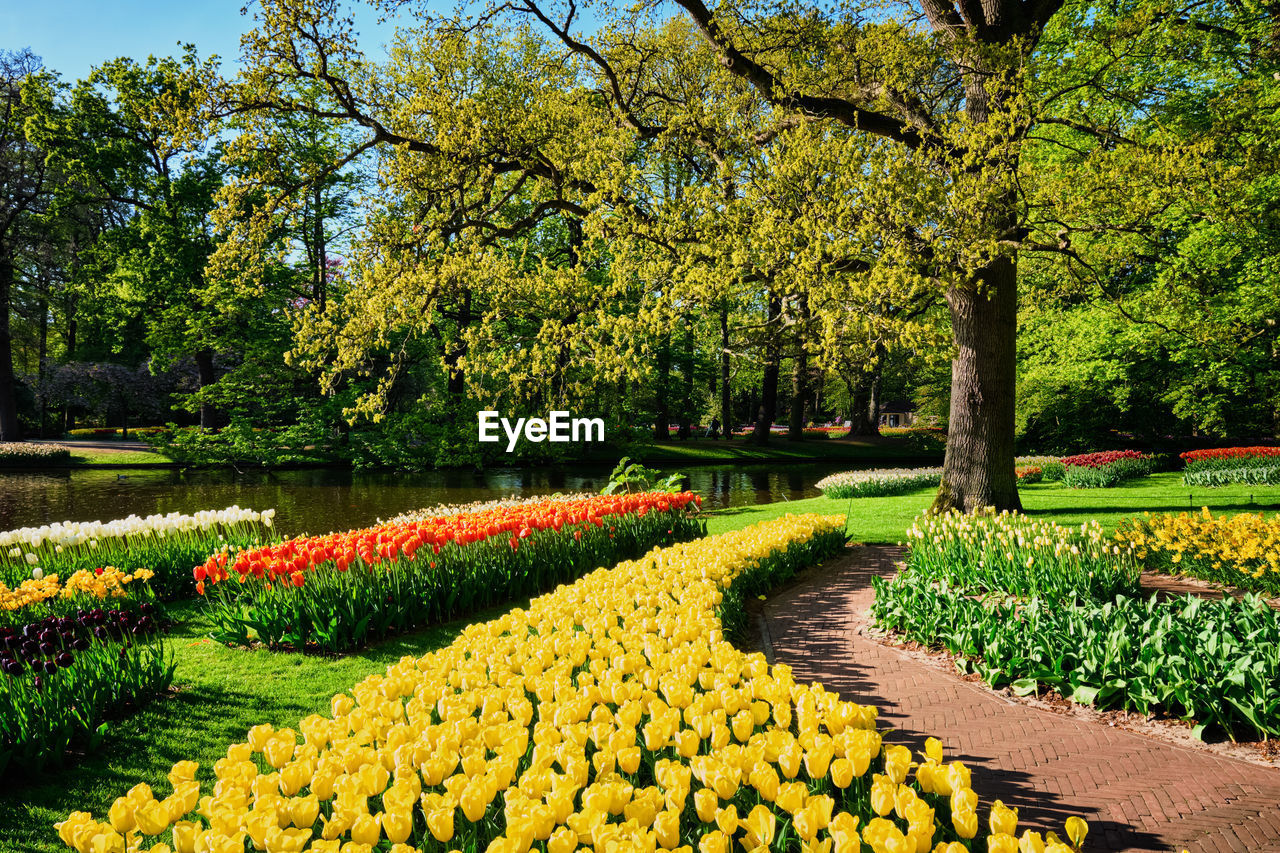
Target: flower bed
x,y
1051,467
878,482
1011,554
1204,661
611,714
45,596
337,592
60,677
1237,550
1033,605
1103,470
1028,474
1224,466
20,454
168,545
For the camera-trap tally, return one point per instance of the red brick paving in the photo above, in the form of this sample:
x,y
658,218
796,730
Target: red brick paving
x,y
1136,792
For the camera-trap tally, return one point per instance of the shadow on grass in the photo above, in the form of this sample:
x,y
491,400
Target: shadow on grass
x,y
218,694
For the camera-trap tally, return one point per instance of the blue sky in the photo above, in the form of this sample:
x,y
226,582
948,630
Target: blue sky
x,y
74,35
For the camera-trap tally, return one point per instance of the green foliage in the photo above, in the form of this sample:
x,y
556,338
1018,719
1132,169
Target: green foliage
x,y
1210,662
1261,475
631,477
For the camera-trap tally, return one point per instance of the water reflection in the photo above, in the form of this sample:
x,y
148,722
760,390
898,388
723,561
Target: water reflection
x,y
316,501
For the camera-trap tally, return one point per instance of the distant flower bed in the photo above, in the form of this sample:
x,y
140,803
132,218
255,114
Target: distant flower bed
x,y
337,592
1106,469
1029,474
168,545
112,432
878,482
1051,467
1224,466
23,454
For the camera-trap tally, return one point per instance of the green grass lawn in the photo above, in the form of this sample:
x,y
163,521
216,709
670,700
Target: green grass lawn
x,y
95,457
885,520
219,693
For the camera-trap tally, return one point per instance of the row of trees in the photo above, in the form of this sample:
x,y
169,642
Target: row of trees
x,y
738,212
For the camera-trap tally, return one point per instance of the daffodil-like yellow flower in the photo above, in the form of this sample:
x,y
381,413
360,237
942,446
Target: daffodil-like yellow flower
x,y
1239,550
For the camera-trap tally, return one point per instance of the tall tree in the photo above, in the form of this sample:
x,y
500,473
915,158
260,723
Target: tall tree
x,y
24,190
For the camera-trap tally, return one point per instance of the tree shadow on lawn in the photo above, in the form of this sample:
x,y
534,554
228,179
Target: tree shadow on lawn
x,y
195,721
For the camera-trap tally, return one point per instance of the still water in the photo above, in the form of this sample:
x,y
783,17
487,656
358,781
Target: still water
x,y
318,501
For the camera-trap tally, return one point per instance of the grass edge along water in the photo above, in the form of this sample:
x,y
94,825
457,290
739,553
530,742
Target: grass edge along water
x,y
611,712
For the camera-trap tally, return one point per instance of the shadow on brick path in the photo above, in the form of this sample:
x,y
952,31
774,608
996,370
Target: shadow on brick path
x,y
1136,792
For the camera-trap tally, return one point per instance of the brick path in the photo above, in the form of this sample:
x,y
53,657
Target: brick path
x,y
1137,793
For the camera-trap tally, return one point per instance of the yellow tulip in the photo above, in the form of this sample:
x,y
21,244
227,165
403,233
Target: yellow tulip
x,y
714,842
440,823
121,815
366,829
1077,829
1003,819
965,823
563,840
1031,842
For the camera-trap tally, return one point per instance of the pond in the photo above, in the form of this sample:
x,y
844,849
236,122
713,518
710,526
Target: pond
x,y
319,501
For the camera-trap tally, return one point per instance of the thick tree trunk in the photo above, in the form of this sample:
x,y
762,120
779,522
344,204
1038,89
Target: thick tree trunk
x,y
978,470
209,415
10,428
769,383
726,395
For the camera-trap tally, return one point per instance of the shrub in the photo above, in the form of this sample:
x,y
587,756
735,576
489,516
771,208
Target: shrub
x,y
878,482
1103,470
1237,550
335,593
20,454
612,710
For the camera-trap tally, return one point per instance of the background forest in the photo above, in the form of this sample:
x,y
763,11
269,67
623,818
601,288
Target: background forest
x,y
645,214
